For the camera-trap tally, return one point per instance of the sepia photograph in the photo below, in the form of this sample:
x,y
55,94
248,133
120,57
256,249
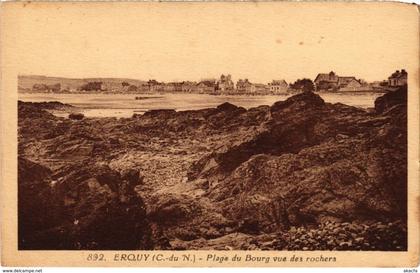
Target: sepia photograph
x,y
256,127
124,164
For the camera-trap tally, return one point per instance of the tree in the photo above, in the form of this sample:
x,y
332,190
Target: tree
x,y
40,87
54,87
383,83
44,87
92,86
305,85
152,82
325,85
132,88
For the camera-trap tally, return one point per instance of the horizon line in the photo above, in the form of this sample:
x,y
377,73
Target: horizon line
x,y
184,80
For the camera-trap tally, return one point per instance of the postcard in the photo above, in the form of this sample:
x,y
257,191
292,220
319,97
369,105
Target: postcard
x,y
209,134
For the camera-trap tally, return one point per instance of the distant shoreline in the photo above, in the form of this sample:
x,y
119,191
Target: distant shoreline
x,y
122,105
185,93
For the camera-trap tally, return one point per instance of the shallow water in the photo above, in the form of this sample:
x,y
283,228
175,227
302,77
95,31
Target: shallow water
x,y
125,105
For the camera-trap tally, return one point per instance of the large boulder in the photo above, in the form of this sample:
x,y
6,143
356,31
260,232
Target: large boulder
x,y
76,116
390,99
300,121
37,210
313,162
80,206
341,181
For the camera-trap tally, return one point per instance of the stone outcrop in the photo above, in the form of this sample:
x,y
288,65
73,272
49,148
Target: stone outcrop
x,y
82,206
76,116
293,175
314,162
390,99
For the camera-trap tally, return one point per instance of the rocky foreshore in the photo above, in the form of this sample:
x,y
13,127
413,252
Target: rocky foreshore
x,y
301,174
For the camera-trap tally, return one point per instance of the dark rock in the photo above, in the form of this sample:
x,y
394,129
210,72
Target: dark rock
x,y
299,101
49,105
171,209
132,177
76,116
32,110
300,174
161,113
36,209
309,163
390,99
228,107
114,141
80,207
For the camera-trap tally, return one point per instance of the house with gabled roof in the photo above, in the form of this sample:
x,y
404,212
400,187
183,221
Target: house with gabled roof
x,y
398,78
333,82
278,86
243,86
259,88
189,87
206,86
225,84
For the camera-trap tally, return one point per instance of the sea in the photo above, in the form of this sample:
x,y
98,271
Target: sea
x,y
125,105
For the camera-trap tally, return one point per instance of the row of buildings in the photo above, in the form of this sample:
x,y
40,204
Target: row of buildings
x,y
324,82
329,82
224,85
333,82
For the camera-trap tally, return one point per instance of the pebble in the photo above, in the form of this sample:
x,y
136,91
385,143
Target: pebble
x,y
348,236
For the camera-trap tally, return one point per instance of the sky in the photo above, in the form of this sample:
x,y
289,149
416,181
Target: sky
x,y
192,41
